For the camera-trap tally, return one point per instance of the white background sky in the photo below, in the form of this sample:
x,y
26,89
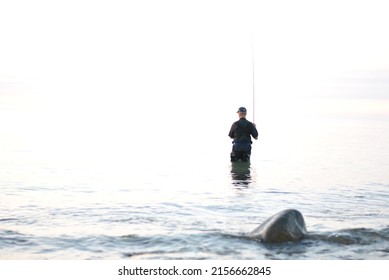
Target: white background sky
x,y
123,69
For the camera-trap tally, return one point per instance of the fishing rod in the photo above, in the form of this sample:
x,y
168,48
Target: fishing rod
x,y
253,67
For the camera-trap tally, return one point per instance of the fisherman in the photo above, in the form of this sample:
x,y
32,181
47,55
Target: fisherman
x,y
241,131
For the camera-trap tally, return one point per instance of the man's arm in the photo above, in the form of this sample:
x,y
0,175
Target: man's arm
x,y
232,131
254,132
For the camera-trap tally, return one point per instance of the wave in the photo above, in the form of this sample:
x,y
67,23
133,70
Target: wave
x,y
356,243
361,236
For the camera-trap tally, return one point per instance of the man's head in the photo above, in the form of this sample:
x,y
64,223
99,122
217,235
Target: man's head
x,y
242,112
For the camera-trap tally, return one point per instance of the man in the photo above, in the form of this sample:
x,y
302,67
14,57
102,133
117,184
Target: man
x,y
241,131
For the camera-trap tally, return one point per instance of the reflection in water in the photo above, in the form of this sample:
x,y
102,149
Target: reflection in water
x,y
240,173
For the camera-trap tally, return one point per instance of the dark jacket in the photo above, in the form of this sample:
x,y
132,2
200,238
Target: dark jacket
x,y
242,130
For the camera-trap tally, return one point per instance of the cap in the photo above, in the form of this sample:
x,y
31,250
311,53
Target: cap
x,y
242,110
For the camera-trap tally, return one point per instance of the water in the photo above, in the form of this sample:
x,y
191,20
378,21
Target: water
x,y
110,201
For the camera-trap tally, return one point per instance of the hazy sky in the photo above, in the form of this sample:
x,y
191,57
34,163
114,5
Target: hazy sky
x,y
140,65
190,46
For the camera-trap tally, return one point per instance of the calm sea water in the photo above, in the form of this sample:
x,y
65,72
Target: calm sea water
x,y
187,201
